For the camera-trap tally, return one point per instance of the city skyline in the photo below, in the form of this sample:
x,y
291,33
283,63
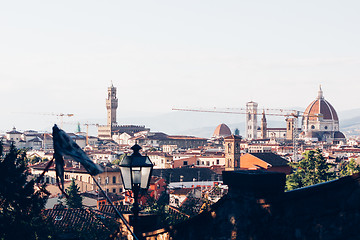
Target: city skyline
x,y
61,57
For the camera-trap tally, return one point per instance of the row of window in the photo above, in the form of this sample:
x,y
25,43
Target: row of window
x,y
80,178
207,163
107,180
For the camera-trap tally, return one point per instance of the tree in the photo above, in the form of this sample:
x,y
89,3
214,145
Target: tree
x,y
34,160
118,160
348,168
74,199
311,170
20,203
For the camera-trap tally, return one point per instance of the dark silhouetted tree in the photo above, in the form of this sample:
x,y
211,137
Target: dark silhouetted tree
x,y
74,199
20,203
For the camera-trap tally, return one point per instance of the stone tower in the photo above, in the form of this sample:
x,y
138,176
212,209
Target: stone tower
x,y
290,125
251,120
263,126
111,105
232,152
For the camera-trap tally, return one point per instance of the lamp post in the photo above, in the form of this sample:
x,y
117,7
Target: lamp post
x,y
135,173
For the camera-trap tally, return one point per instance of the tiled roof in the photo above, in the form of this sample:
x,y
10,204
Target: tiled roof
x,y
186,138
181,191
173,174
233,137
100,195
78,219
108,209
35,139
271,158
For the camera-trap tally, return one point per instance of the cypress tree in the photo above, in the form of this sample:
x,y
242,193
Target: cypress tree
x,y
20,203
74,199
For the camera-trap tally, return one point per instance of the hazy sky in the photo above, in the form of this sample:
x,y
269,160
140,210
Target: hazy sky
x,y
60,56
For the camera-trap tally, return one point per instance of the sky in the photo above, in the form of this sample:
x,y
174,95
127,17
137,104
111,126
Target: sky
x,y
60,56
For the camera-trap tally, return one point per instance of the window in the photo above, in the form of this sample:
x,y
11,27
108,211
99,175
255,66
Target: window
x,y
114,179
217,161
326,127
185,163
107,180
312,127
114,190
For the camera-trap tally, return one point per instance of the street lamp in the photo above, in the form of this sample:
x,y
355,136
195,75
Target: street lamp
x,y
135,174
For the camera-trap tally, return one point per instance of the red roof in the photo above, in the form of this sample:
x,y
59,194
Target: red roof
x,y
322,107
222,131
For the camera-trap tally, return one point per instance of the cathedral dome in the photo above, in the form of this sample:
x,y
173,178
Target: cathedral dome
x,y
321,108
222,131
339,135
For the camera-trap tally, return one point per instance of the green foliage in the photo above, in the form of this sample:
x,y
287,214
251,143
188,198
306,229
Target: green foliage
x,y
20,204
117,161
75,199
153,149
348,168
167,215
311,170
34,160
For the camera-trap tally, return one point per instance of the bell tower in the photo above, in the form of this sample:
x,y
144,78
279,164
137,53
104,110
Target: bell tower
x,y
232,152
263,126
251,120
111,105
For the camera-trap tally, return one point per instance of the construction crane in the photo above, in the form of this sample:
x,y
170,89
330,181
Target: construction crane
x,y
61,115
294,114
87,128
